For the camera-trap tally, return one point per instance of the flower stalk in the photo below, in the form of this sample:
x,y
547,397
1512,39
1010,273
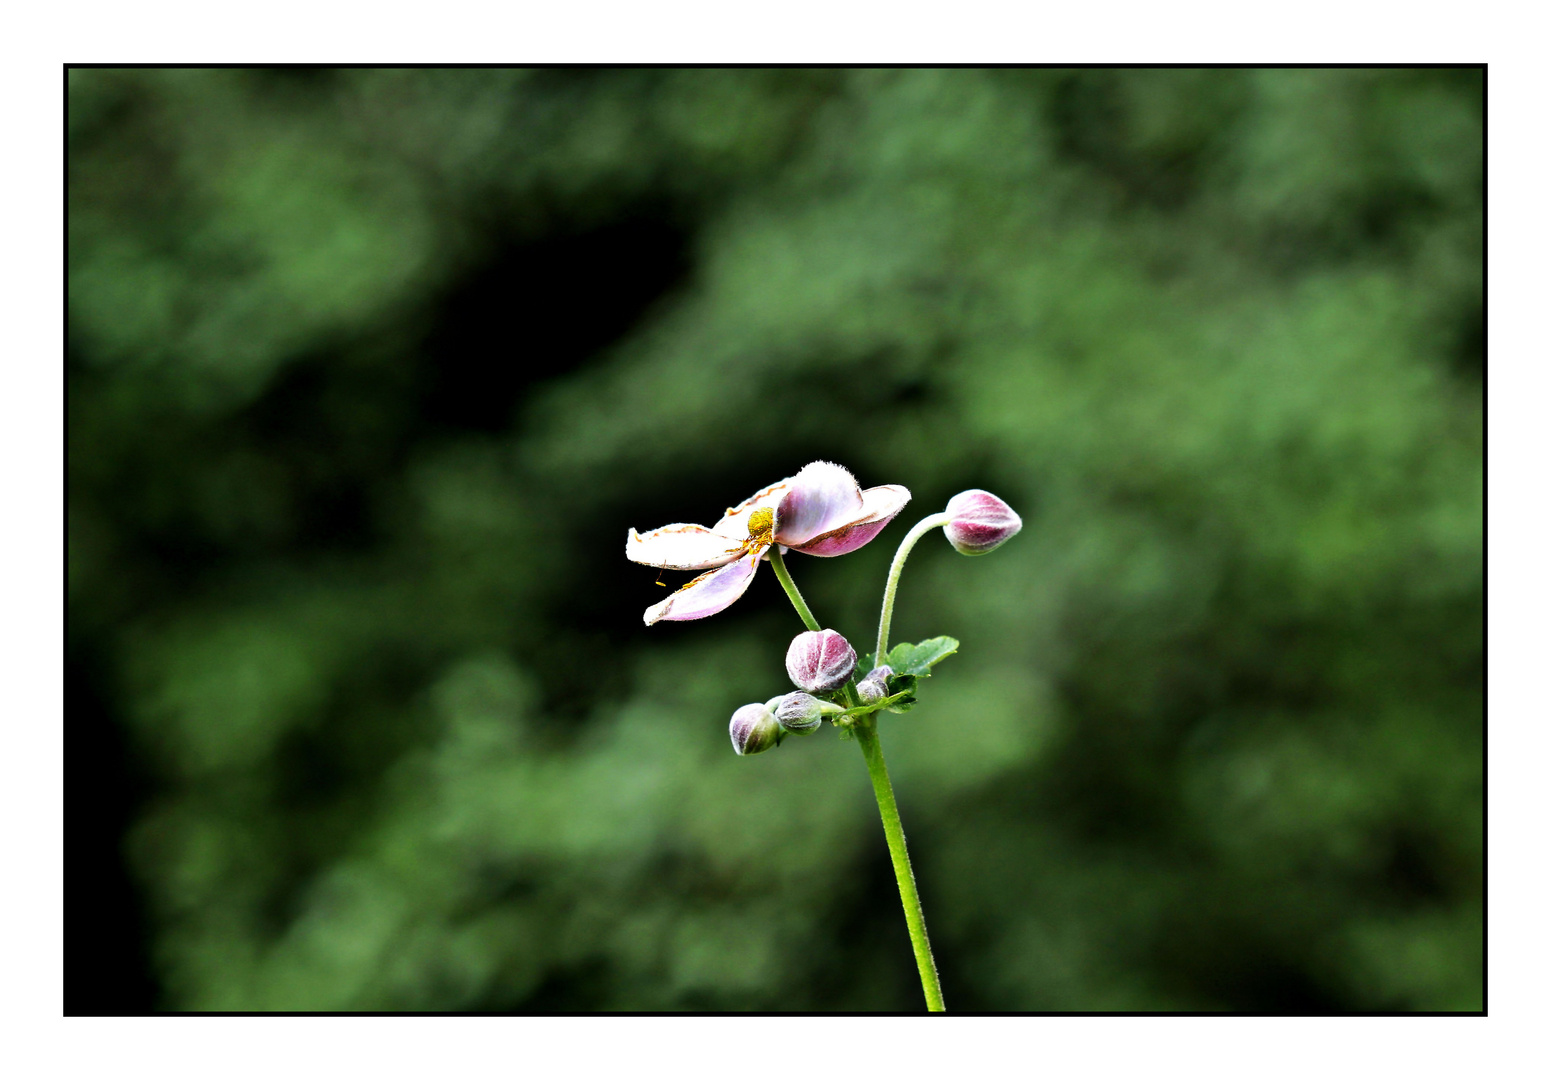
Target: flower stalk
x,y
778,564
896,568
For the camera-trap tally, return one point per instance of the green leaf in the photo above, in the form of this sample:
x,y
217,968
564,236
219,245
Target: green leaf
x,y
911,663
908,659
902,684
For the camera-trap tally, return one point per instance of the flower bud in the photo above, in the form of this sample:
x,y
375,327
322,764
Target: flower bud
x,y
820,660
980,522
875,687
802,713
754,729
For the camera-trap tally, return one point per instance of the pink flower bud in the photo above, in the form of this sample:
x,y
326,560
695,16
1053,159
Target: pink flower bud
x,y
754,729
820,660
980,522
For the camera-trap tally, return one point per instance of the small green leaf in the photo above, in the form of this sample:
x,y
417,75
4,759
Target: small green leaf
x,y
908,659
911,663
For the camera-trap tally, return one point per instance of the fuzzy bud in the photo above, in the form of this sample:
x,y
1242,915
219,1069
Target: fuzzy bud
x,y
980,522
754,729
820,660
875,687
802,713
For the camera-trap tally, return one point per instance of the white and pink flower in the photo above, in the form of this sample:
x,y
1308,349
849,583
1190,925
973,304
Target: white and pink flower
x,y
820,511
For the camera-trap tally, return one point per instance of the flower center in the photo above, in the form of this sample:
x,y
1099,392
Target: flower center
x,y
761,524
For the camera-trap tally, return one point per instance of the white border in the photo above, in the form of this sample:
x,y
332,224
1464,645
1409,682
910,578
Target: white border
x,y
40,40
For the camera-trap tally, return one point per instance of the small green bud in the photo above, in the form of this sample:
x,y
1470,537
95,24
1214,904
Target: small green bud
x,y
754,729
875,686
801,713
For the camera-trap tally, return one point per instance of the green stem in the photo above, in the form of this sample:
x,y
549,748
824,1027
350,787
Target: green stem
x,y
894,832
867,735
779,566
922,527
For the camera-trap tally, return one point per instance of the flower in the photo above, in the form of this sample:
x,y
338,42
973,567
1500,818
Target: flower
x,y
820,660
754,729
979,522
820,511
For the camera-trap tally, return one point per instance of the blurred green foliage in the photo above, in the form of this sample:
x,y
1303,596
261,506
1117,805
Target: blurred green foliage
x,y
370,371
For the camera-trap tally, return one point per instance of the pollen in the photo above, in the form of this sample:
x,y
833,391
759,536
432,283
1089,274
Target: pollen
x,y
761,521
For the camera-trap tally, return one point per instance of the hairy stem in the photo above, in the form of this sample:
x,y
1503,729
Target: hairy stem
x,y
894,832
778,564
922,527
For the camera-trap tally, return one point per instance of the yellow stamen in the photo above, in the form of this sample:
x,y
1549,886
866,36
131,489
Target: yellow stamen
x,y
761,522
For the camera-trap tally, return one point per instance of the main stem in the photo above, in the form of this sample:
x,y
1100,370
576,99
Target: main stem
x,y
872,751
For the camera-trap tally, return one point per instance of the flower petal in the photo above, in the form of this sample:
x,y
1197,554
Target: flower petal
x,y
736,521
707,594
682,547
822,498
880,505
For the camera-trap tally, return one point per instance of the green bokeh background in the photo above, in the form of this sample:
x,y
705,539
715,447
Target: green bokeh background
x,y
370,372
